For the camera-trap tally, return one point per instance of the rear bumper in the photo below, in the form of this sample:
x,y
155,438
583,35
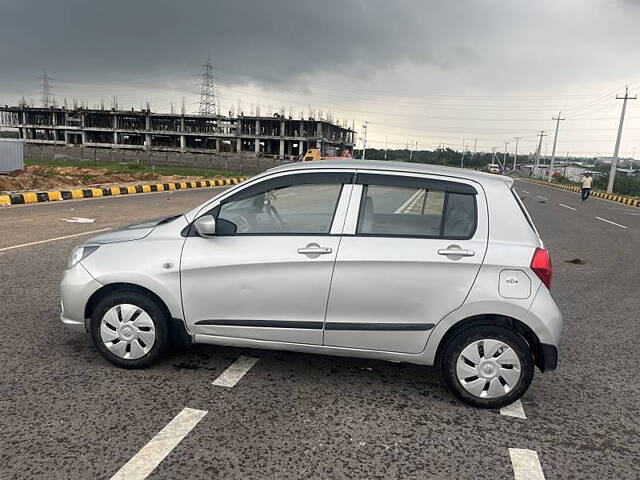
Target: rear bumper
x,y
547,360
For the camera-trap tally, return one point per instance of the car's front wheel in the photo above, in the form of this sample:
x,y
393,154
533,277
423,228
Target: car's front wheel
x,y
487,366
129,329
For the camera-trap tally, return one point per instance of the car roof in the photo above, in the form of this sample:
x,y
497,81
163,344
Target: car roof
x,y
392,166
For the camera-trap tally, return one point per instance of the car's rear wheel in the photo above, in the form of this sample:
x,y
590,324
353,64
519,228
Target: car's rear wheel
x,y
129,329
487,366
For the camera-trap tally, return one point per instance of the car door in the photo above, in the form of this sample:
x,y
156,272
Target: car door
x,y
411,250
265,274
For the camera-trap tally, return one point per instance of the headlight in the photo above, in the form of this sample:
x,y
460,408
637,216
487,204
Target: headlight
x,y
80,253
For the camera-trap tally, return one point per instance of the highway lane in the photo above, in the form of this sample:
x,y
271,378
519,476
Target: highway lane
x,y
30,223
292,415
592,403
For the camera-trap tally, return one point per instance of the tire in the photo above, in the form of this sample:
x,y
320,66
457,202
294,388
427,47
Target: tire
x,y
487,379
129,329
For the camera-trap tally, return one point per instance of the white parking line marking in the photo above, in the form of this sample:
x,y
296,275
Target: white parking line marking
x,y
78,220
566,206
54,239
524,191
540,196
513,410
235,372
150,456
526,465
612,223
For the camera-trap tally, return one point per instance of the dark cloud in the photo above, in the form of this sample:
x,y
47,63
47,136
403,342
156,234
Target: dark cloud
x,y
264,41
363,58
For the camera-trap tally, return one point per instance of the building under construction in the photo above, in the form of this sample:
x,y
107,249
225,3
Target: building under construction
x,y
276,136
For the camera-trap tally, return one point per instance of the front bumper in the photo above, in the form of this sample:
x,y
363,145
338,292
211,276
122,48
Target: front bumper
x,y
76,288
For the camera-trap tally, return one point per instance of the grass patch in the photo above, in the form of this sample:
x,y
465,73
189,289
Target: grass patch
x,y
134,168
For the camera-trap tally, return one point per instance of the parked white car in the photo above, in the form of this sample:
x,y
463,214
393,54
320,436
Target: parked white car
x,y
394,261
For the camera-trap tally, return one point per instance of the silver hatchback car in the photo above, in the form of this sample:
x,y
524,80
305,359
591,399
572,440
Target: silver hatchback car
x,y
394,261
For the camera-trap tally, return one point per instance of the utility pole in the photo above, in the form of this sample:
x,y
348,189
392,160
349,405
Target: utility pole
x,y
504,159
537,164
386,147
411,151
515,155
364,138
475,146
614,160
555,140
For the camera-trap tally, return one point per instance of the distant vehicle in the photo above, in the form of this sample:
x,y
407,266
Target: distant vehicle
x,y
386,260
315,154
492,168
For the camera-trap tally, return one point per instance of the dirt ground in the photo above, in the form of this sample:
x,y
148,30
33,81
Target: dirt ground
x,y
40,178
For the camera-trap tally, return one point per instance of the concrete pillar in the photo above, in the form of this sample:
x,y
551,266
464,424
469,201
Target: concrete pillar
x,y
282,128
257,145
319,129
147,141
183,142
217,145
282,147
257,127
84,137
301,150
115,131
54,131
301,127
239,145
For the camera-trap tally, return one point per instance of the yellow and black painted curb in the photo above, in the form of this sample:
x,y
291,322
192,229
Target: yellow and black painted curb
x,y
633,202
41,197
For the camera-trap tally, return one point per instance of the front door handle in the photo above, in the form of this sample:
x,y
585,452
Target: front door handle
x,y
458,252
314,250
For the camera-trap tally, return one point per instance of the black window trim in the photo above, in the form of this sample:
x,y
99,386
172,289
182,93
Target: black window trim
x,y
390,180
328,178
441,185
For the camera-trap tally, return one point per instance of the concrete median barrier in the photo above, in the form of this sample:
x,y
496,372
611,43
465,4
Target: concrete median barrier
x,y
93,192
633,202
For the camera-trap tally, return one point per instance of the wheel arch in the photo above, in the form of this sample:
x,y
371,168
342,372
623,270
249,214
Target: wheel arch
x,y
177,329
505,321
110,288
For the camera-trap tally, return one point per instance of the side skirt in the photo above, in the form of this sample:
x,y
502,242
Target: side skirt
x,y
314,349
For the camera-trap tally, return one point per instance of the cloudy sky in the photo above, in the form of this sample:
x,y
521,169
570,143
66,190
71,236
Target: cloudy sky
x,y
421,71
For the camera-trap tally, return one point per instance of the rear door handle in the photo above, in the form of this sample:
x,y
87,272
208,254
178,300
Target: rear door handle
x,y
314,250
457,252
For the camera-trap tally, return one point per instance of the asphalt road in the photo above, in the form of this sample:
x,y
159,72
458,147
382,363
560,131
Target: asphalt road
x,y
66,413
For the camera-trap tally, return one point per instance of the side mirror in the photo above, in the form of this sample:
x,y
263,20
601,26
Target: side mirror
x,y
205,226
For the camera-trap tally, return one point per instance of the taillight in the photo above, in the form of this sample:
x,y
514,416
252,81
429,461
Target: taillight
x,y
541,265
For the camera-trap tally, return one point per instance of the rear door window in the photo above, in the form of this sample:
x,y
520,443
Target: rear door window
x,y
397,210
